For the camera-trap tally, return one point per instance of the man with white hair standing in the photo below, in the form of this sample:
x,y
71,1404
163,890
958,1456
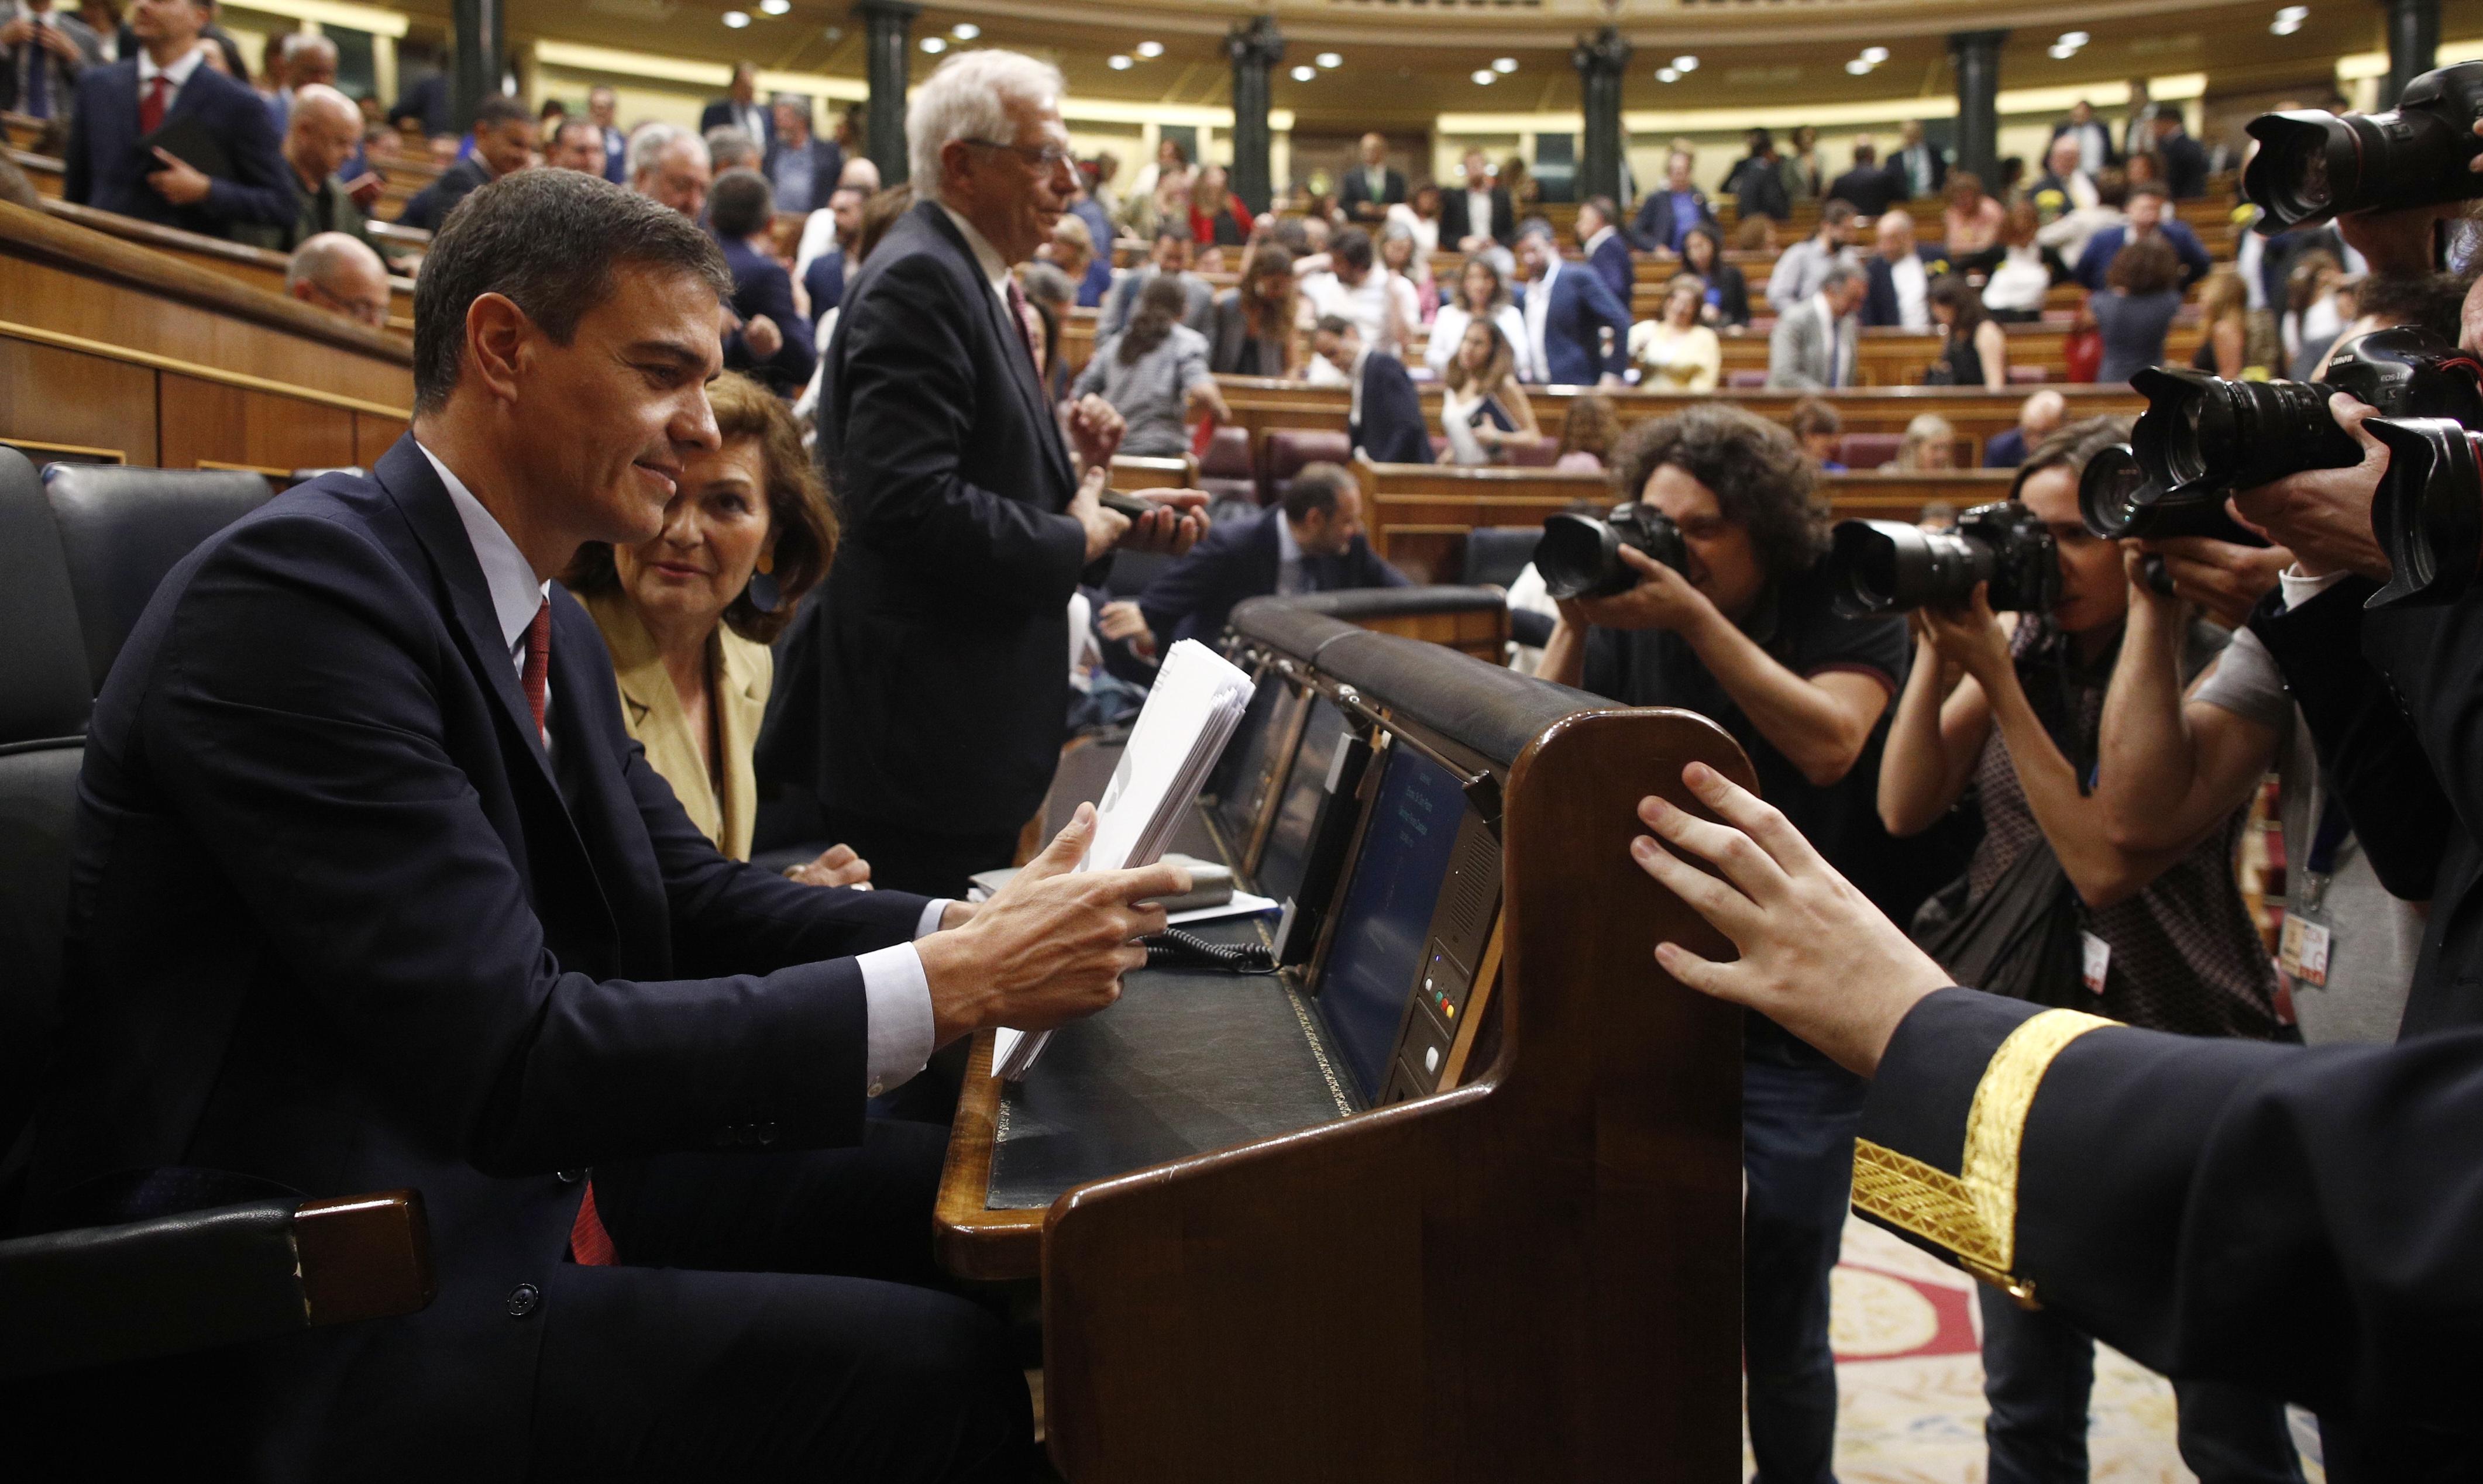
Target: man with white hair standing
x,y
670,165
925,699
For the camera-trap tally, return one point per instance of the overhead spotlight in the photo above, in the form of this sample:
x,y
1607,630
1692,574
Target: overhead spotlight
x,y
1485,76
2294,13
1118,63
1504,65
935,45
1329,59
2073,40
1875,55
737,19
1858,66
1685,64
775,7
965,31
1150,50
1305,74
1667,75
2059,53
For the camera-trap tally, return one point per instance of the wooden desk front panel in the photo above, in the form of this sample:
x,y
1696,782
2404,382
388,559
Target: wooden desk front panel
x,y
73,400
207,422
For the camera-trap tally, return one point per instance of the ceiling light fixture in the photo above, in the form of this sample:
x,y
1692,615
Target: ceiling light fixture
x,y
1485,76
965,31
737,19
775,7
1503,66
1150,50
1875,55
1685,64
1858,66
935,45
1305,74
1329,59
1667,75
1118,63
2059,53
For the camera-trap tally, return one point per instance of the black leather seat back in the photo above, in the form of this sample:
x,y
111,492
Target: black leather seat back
x,y
1495,554
122,530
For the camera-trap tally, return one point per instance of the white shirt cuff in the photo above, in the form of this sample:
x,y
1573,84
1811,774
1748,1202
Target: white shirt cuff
x,y
896,997
2299,588
932,911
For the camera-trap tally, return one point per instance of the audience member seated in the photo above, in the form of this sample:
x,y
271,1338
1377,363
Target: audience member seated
x,y
322,132
1673,352
1802,267
741,109
1370,188
1086,208
1868,188
688,613
1218,216
862,173
2185,159
1483,409
1169,259
821,269
1152,371
1728,293
2318,305
2144,167
802,166
1420,215
1816,427
1384,415
1477,214
1480,294
2069,234
2224,322
1669,215
1577,332
1357,286
112,164
729,147
2039,417
670,166
2141,294
1049,294
341,274
577,145
504,142
2148,216
1311,543
1971,220
1929,444
772,343
1813,345
2021,270
1607,250
2063,187
43,51
1920,166
1587,435
1899,278
1974,350
1255,319
1400,255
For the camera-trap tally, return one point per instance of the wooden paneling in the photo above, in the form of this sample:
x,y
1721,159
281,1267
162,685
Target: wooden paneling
x,y
56,396
372,436
258,267
208,422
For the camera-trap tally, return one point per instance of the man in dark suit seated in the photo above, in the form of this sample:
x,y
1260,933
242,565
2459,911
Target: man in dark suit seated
x,y
2038,417
225,169
802,166
1608,251
1476,215
1666,216
1900,275
504,141
1384,419
1371,186
375,891
741,109
773,342
1313,542
1575,327
1871,188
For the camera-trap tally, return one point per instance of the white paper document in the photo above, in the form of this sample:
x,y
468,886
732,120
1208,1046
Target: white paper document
x,y
1198,698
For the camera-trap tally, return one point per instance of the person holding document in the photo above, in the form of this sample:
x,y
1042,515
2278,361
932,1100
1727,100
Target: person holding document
x,y
165,138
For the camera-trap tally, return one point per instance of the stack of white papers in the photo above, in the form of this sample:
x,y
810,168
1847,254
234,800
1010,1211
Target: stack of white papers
x,y
1197,701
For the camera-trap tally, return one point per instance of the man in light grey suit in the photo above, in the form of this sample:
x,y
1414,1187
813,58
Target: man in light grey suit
x,y
1812,348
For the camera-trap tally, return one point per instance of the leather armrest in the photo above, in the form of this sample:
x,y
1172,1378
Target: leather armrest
x,y
230,1273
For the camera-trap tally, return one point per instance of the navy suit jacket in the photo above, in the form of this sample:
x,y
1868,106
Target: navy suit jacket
x,y
1392,430
1354,190
340,924
720,112
2096,259
2185,167
616,156
939,692
107,166
432,203
1611,264
1193,597
824,280
760,285
1581,303
1455,229
2007,449
1880,303
1653,227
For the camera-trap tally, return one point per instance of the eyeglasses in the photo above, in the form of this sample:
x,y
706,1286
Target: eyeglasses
x,y
1046,158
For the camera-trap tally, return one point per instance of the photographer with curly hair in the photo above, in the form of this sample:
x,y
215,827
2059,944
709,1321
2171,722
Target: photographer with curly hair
x,y
1746,635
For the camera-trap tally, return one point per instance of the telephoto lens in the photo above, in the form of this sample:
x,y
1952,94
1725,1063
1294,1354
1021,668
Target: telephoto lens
x,y
2314,165
1890,566
2428,510
2108,505
1581,556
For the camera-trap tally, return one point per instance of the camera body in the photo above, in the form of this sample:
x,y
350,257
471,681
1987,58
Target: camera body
x,y
1889,566
2312,165
1581,556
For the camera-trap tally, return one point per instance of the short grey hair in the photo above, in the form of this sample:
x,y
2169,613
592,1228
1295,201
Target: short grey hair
x,y
969,98
647,145
318,259
1046,285
1841,274
297,43
310,98
730,147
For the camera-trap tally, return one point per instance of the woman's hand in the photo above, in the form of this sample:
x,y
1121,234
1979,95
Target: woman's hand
x,y
1815,956
1970,636
836,867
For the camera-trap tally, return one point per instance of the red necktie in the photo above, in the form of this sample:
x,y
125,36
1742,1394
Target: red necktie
x,y
1024,330
150,108
588,1244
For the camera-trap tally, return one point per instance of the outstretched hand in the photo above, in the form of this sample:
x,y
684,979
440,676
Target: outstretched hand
x,y
1815,956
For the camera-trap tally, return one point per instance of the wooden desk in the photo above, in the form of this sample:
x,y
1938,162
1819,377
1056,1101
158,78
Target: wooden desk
x,y
258,267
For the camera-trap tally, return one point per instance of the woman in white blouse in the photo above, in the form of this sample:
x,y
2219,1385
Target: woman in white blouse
x,y
1673,352
1480,295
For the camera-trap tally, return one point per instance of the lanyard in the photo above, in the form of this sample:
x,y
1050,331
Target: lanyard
x,y
2331,834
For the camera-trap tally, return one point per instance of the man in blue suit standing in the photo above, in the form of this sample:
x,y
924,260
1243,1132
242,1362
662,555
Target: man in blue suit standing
x,y
1608,251
1384,420
1575,329
603,111
1313,542
225,169
773,342
741,109
2148,213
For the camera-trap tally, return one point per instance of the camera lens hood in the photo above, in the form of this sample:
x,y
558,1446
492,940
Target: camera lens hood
x,y
1577,557
2427,514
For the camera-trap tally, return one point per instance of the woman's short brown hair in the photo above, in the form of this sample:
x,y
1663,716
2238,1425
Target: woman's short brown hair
x,y
2146,266
1762,481
800,514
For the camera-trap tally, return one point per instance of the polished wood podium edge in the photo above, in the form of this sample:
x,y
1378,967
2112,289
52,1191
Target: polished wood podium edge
x,y
970,1239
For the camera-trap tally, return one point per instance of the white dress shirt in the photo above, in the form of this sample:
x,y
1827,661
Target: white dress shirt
x,y
995,267
1538,313
1594,244
896,994
1290,580
175,78
1478,213
1914,287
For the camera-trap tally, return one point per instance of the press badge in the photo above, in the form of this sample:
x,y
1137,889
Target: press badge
x,y
2097,955
2302,950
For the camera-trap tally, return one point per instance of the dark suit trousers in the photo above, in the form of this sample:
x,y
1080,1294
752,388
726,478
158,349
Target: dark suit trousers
x,y
773,1317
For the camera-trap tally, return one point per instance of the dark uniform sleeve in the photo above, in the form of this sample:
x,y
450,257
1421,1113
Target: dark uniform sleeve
x,y
2301,1221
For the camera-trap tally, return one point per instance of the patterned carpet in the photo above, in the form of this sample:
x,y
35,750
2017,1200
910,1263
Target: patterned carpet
x,y
1910,1376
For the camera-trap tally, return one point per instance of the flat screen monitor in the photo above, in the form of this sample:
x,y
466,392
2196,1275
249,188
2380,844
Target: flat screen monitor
x,y
1239,779
1283,860
1385,923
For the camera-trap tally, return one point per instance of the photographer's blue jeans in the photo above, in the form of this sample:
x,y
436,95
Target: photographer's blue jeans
x,y
2038,1372
1797,1125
